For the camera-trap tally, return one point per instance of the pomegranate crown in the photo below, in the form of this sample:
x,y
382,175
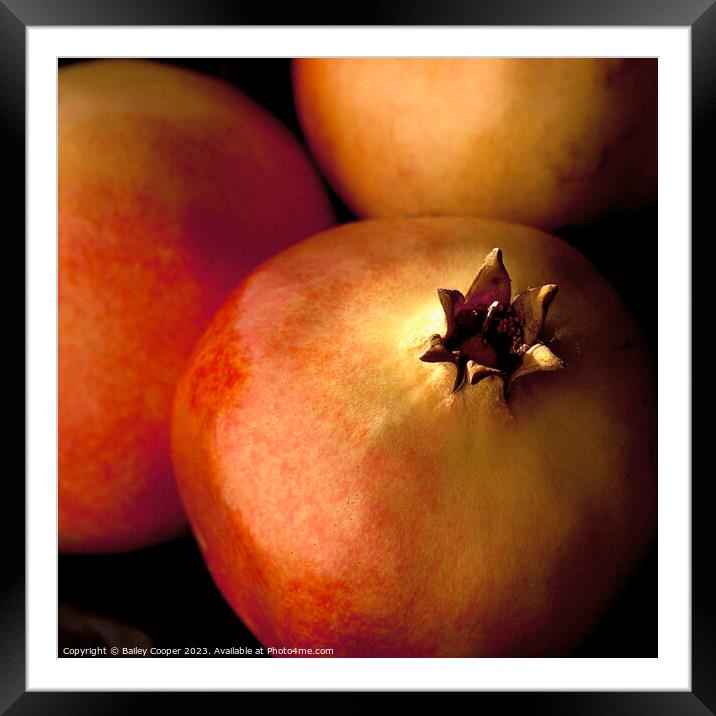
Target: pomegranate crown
x,y
489,335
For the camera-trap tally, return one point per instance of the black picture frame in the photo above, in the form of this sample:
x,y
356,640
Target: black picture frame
x,y
699,15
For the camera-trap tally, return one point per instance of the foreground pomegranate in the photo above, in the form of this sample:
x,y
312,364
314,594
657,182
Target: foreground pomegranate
x,y
382,469
172,187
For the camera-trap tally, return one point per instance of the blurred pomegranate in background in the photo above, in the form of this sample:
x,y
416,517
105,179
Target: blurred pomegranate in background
x,y
543,142
172,187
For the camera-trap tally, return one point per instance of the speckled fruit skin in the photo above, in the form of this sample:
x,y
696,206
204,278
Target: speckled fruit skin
x,y
172,187
544,142
343,497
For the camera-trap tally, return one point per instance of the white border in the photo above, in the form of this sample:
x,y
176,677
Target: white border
x,y
670,671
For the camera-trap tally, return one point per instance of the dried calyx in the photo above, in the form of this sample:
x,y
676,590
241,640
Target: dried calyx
x,y
487,335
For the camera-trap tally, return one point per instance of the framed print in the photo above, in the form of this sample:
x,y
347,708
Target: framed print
x,y
136,577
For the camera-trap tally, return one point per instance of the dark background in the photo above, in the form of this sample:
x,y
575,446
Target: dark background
x,y
166,592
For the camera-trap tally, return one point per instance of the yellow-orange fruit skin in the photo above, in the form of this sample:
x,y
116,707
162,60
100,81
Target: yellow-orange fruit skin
x,y
343,497
172,187
544,142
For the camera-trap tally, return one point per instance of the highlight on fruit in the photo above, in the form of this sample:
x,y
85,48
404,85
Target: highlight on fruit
x,y
487,335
